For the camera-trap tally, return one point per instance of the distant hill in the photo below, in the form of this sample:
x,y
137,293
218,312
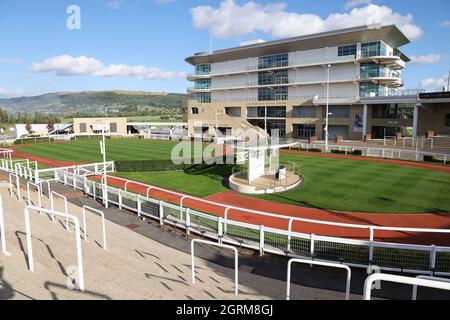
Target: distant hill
x,y
92,103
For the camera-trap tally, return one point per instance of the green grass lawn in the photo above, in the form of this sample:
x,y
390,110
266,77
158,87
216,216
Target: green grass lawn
x,y
89,150
334,184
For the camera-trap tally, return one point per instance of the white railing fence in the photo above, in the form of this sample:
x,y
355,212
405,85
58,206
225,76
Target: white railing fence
x,y
401,279
420,259
318,263
388,153
80,280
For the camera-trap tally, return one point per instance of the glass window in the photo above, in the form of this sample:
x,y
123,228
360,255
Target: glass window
x,y
304,131
203,97
203,69
233,111
339,112
273,61
278,77
276,112
304,112
256,112
347,50
370,89
372,70
271,94
447,120
393,111
83,127
373,49
203,84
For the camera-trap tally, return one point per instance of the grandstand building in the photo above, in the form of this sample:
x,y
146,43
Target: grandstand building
x,y
283,85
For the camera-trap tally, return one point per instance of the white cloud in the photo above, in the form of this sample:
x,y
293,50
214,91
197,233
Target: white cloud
x,y
66,65
436,84
428,59
231,20
445,23
356,3
5,93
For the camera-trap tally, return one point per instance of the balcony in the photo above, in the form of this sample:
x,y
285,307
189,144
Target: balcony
x,y
392,93
279,66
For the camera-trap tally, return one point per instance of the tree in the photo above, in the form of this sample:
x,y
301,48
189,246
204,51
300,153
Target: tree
x,y
50,125
29,127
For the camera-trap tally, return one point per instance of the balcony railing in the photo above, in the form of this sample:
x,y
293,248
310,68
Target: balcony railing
x,y
392,93
282,64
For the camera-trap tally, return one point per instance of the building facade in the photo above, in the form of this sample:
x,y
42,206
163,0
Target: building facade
x,y
285,85
86,126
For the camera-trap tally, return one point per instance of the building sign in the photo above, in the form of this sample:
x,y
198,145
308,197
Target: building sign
x,y
358,123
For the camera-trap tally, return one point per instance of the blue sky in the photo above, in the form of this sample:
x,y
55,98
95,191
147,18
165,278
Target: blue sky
x,y
142,44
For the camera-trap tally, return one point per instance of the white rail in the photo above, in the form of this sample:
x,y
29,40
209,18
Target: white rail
x,y
401,279
92,210
236,264
54,194
11,175
319,263
2,228
39,193
77,239
414,293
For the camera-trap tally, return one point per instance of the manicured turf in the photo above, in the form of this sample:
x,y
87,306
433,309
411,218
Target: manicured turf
x,y
89,150
201,182
333,184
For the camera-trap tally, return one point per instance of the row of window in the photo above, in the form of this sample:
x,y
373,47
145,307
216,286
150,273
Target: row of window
x,y
273,94
273,61
278,77
112,128
203,69
383,111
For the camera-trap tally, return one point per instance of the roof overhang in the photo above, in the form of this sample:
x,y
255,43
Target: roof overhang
x,y
390,34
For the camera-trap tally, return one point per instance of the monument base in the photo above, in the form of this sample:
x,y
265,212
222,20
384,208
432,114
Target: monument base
x,y
265,184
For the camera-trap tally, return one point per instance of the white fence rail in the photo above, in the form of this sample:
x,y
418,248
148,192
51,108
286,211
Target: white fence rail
x,y
401,279
2,228
401,154
419,259
80,281
224,246
102,215
324,264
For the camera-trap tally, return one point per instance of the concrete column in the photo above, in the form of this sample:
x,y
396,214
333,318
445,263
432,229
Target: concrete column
x,y
415,119
364,121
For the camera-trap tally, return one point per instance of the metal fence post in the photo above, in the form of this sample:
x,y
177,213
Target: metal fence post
x,y
219,229
188,221
120,199
261,240
139,205
432,259
161,213
371,249
289,234
311,248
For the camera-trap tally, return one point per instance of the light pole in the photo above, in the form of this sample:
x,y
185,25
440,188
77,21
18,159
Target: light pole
x,y
328,66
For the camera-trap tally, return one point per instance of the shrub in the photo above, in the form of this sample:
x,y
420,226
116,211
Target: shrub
x,y
147,165
152,165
